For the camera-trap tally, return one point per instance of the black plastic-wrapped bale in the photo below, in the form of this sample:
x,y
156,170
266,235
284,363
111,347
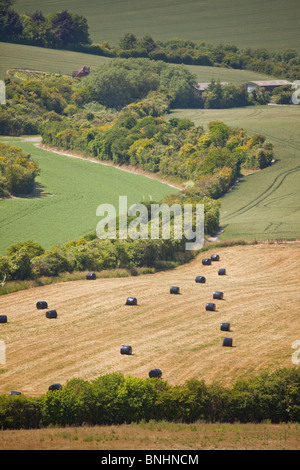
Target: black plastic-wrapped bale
x,y
51,314
91,276
174,290
206,261
218,294
3,318
222,272
55,386
200,279
210,306
131,301
126,349
155,373
225,326
215,257
41,304
227,342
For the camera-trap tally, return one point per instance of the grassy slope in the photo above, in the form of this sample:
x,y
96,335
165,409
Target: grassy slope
x,y
171,332
68,193
46,60
271,24
49,60
265,204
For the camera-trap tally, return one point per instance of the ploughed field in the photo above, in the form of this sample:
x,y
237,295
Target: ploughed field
x,y
174,333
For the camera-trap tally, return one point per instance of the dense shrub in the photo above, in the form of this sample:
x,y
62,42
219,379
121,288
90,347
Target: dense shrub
x,y
17,171
116,399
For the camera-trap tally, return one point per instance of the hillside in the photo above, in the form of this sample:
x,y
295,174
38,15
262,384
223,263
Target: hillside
x,y
20,56
272,25
265,204
68,192
171,332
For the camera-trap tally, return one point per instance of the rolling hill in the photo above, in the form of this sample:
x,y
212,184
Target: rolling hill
x,y
265,204
271,24
171,332
68,192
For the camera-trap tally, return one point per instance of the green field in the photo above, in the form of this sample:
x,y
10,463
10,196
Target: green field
x,y
68,192
45,60
272,24
64,62
266,204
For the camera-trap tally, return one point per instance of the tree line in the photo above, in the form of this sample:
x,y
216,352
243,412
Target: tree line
x,y
116,399
64,29
57,30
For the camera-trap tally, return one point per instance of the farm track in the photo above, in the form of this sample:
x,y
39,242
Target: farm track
x,y
171,332
271,189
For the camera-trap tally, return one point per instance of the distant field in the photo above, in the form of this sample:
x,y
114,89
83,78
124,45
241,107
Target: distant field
x,y
64,62
172,332
45,60
68,192
265,204
270,24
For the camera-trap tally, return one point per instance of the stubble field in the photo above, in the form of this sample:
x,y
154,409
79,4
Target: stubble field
x,y
171,332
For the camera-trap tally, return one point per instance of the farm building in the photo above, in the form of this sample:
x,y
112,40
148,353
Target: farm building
x,y
81,72
203,86
268,85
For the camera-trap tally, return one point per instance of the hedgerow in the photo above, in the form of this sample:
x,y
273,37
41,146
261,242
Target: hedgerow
x,y
117,399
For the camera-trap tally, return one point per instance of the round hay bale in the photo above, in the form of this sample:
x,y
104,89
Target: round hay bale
x,y
131,301
218,295
200,279
51,314
41,304
225,326
227,342
14,392
155,373
126,349
215,257
222,272
174,290
3,318
91,276
55,386
210,306
206,261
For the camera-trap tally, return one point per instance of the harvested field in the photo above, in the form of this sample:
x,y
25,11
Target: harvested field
x,y
171,332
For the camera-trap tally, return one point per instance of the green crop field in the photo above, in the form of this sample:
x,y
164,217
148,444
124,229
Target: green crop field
x,y
271,24
46,60
68,192
265,204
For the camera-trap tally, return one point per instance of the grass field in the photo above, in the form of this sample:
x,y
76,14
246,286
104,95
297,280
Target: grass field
x,y
64,62
265,204
45,60
68,192
270,24
171,332
157,436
